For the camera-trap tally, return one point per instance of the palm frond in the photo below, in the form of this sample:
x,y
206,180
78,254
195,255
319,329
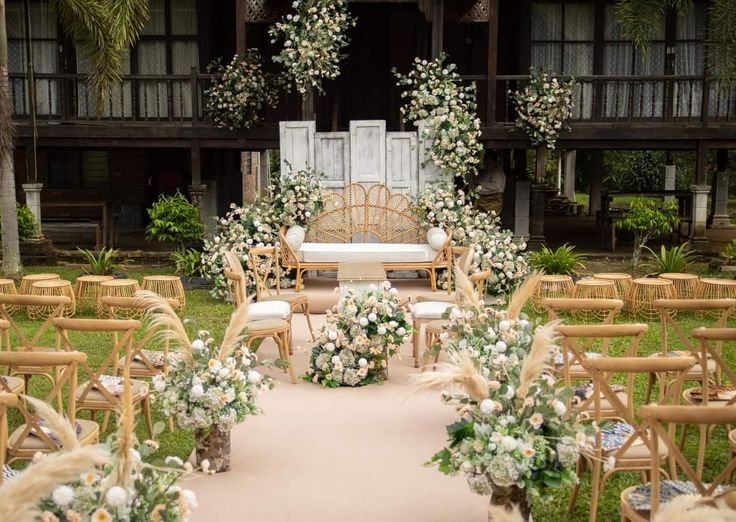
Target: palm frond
x,y
640,20
722,39
460,370
164,318
539,357
19,497
522,294
58,424
236,331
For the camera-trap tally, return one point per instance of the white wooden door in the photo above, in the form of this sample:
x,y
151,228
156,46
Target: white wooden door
x,y
428,171
332,158
402,160
368,151
296,145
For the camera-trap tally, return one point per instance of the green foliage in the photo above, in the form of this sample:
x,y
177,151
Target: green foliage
x,y
174,220
564,260
102,262
27,224
670,260
647,218
729,252
635,171
188,263
722,38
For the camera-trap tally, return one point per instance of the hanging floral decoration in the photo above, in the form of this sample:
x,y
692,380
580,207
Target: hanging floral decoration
x,y
239,92
435,95
543,107
314,36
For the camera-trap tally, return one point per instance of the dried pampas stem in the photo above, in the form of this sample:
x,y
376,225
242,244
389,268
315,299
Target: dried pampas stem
x,y
522,294
19,496
126,432
539,357
464,288
460,370
56,422
163,316
235,332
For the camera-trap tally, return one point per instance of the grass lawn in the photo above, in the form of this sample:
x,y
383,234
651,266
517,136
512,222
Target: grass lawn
x,y
213,315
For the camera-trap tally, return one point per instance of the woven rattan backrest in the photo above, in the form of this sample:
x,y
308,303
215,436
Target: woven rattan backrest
x,y
359,212
66,365
263,262
236,284
7,400
121,333
24,343
669,308
657,416
709,340
556,305
603,369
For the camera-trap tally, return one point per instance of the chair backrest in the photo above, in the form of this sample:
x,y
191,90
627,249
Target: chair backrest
x,y
668,311
264,261
7,400
603,369
67,365
657,416
556,305
709,340
121,333
24,343
236,278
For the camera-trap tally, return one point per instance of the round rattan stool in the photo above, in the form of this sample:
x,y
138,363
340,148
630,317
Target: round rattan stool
x,y
54,287
594,289
7,286
552,286
622,281
119,288
714,288
644,291
28,280
685,284
86,289
167,286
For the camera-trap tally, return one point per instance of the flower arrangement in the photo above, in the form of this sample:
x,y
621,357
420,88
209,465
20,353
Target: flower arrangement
x,y
295,201
442,205
543,107
239,91
436,96
358,338
313,38
515,430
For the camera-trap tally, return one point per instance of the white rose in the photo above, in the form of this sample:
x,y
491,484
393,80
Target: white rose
x,y
362,362
559,407
198,344
509,443
197,391
116,497
332,335
487,406
63,496
372,317
363,321
254,376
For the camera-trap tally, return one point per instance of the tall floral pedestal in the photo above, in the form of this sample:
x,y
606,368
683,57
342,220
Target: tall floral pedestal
x,y
510,497
213,445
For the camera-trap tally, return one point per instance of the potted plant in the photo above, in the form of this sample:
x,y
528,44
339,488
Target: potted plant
x,y
648,218
103,262
210,388
728,254
563,260
188,264
174,220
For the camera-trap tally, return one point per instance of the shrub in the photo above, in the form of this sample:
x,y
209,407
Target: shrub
x,y
188,262
729,252
670,260
648,218
563,260
100,263
174,220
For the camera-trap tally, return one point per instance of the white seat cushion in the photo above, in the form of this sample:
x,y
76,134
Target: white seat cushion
x,y
430,310
269,310
366,252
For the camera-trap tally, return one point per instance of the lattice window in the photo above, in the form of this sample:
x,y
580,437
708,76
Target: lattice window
x,y
465,11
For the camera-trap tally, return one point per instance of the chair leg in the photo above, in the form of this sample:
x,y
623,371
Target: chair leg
x,y
305,309
650,386
298,279
170,424
576,487
281,341
105,421
595,490
415,342
146,406
433,279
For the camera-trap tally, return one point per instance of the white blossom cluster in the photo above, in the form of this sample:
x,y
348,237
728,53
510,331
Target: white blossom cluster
x,y
300,197
435,95
239,93
543,107
442,205
354,344
313,39
208,392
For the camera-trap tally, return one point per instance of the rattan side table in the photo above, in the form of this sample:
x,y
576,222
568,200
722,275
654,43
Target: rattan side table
x,y
621,280
552,286
167,286
594,289
118,288
646,290
7,286
686,285
53,287
86,289
27,281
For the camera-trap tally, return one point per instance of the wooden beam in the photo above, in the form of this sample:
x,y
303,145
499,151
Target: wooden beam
x,y
492,69
240,26
438,27
196,162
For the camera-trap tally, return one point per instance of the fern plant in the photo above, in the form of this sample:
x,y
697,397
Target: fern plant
x,y
100,263
564,260
669,260
729,252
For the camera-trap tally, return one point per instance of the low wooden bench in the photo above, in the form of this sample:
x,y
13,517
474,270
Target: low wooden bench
x,y
60,229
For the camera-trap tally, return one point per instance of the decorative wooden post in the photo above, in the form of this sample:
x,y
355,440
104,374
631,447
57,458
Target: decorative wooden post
x,y
700,191
538,187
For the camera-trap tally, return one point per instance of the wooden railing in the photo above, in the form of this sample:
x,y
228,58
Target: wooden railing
x,y
161,99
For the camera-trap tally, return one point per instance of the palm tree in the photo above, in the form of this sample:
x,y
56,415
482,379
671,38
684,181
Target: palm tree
x,y
102,30
639,19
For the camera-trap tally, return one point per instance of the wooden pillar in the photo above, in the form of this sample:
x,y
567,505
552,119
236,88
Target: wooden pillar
x,y
197,188
700,190
719,208
438,27
596,183
492,69
240,26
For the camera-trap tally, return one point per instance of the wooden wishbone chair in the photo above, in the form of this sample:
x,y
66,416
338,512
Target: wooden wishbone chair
x,y
668,310
93,394
31,438
264,260
662,420
7,400
634,453
276,329
554,306
8,383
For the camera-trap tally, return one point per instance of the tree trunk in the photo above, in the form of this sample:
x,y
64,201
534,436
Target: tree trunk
x,y
214,445
510,498
11,266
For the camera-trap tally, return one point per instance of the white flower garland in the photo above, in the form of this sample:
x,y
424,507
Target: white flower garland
x,y
437,97
313,38
543,107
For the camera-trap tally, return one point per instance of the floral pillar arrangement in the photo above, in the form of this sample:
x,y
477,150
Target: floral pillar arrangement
x,y
210,388
358,338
